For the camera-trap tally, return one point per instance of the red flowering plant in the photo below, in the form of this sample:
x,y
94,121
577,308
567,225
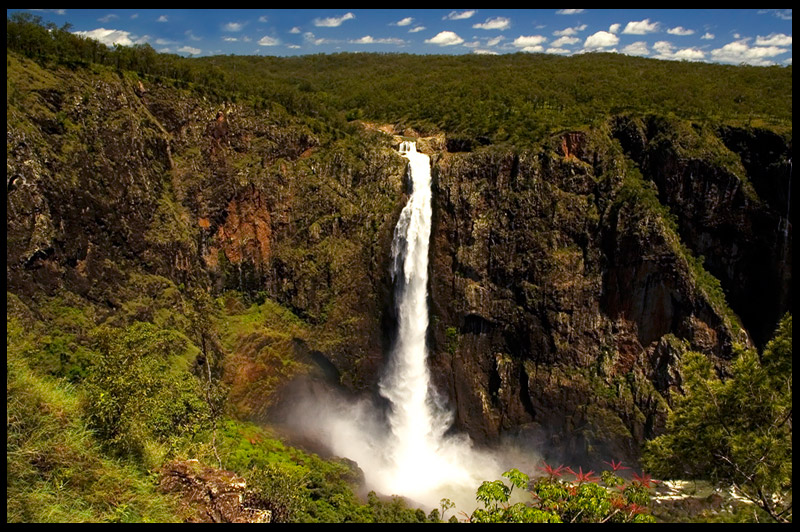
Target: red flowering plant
x,y
586,498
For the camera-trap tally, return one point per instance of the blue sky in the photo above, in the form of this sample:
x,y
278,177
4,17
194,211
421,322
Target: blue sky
x,y
752,36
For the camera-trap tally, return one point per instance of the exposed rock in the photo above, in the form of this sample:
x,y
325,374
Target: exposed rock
x,y
212,495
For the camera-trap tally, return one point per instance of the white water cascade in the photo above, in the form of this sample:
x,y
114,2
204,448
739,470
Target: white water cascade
x,y
420,458
412,456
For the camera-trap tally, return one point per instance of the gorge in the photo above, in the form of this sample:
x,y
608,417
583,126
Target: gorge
x,y
417,295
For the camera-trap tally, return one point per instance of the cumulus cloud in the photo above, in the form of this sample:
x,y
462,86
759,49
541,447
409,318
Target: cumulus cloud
x,y
266,40
640,27
569,11
557,51
416,29
403,22
445,38
774,39
741,52
680,30
636,48
312,39
666,50
111,37
262,18
332,22
190,50
563,41
481,51
162,18
233,26
495,41
455,15
496,23
230,39
601,39
368,39
707,36
570,31
296,29
530,43
614,28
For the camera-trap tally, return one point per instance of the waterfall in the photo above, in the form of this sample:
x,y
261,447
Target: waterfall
x,y
411,455
420,457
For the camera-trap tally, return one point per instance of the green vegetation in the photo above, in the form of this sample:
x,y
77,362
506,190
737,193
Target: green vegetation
x,y
738,430
555,500
120,361
514,98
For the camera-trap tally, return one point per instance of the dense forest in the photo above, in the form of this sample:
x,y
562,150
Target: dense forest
x,y
187,236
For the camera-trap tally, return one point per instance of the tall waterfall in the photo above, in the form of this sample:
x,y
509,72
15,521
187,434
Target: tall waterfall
x,y
412,456
416,424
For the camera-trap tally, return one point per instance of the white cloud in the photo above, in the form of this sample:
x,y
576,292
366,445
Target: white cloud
x,y
262,18
496,23
636,48
455,15
108,18
570,31
690,54
562,41
473,44
164,42
190,50
600,39
416,29
233,26
680,30
312,39
530,43
332,22
162,18
495,41
230,39
110,37
296,29
641,27
56,11
266,40
445,38
614,28
774,39
569,11
666,50
481,51
741,52
246,39
403,22
192,36
293,46
367,39
135,15
707,36
557,51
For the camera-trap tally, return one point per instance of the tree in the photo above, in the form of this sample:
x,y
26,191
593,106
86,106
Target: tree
x,y
554,500
735,431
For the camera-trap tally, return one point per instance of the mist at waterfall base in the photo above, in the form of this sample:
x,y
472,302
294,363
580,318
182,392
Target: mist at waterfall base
x,y
406,449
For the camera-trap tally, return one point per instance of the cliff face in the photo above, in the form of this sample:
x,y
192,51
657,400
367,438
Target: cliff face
x,y
563,292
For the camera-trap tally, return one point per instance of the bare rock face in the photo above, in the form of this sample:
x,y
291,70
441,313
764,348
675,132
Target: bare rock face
x,y
211,495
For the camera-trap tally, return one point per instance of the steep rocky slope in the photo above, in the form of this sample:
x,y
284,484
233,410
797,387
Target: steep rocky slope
x,y
565,279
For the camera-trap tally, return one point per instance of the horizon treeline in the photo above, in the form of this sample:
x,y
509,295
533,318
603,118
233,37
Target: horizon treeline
x,y
513,98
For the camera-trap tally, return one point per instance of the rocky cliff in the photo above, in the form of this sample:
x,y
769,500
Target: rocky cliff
x,y
566,279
